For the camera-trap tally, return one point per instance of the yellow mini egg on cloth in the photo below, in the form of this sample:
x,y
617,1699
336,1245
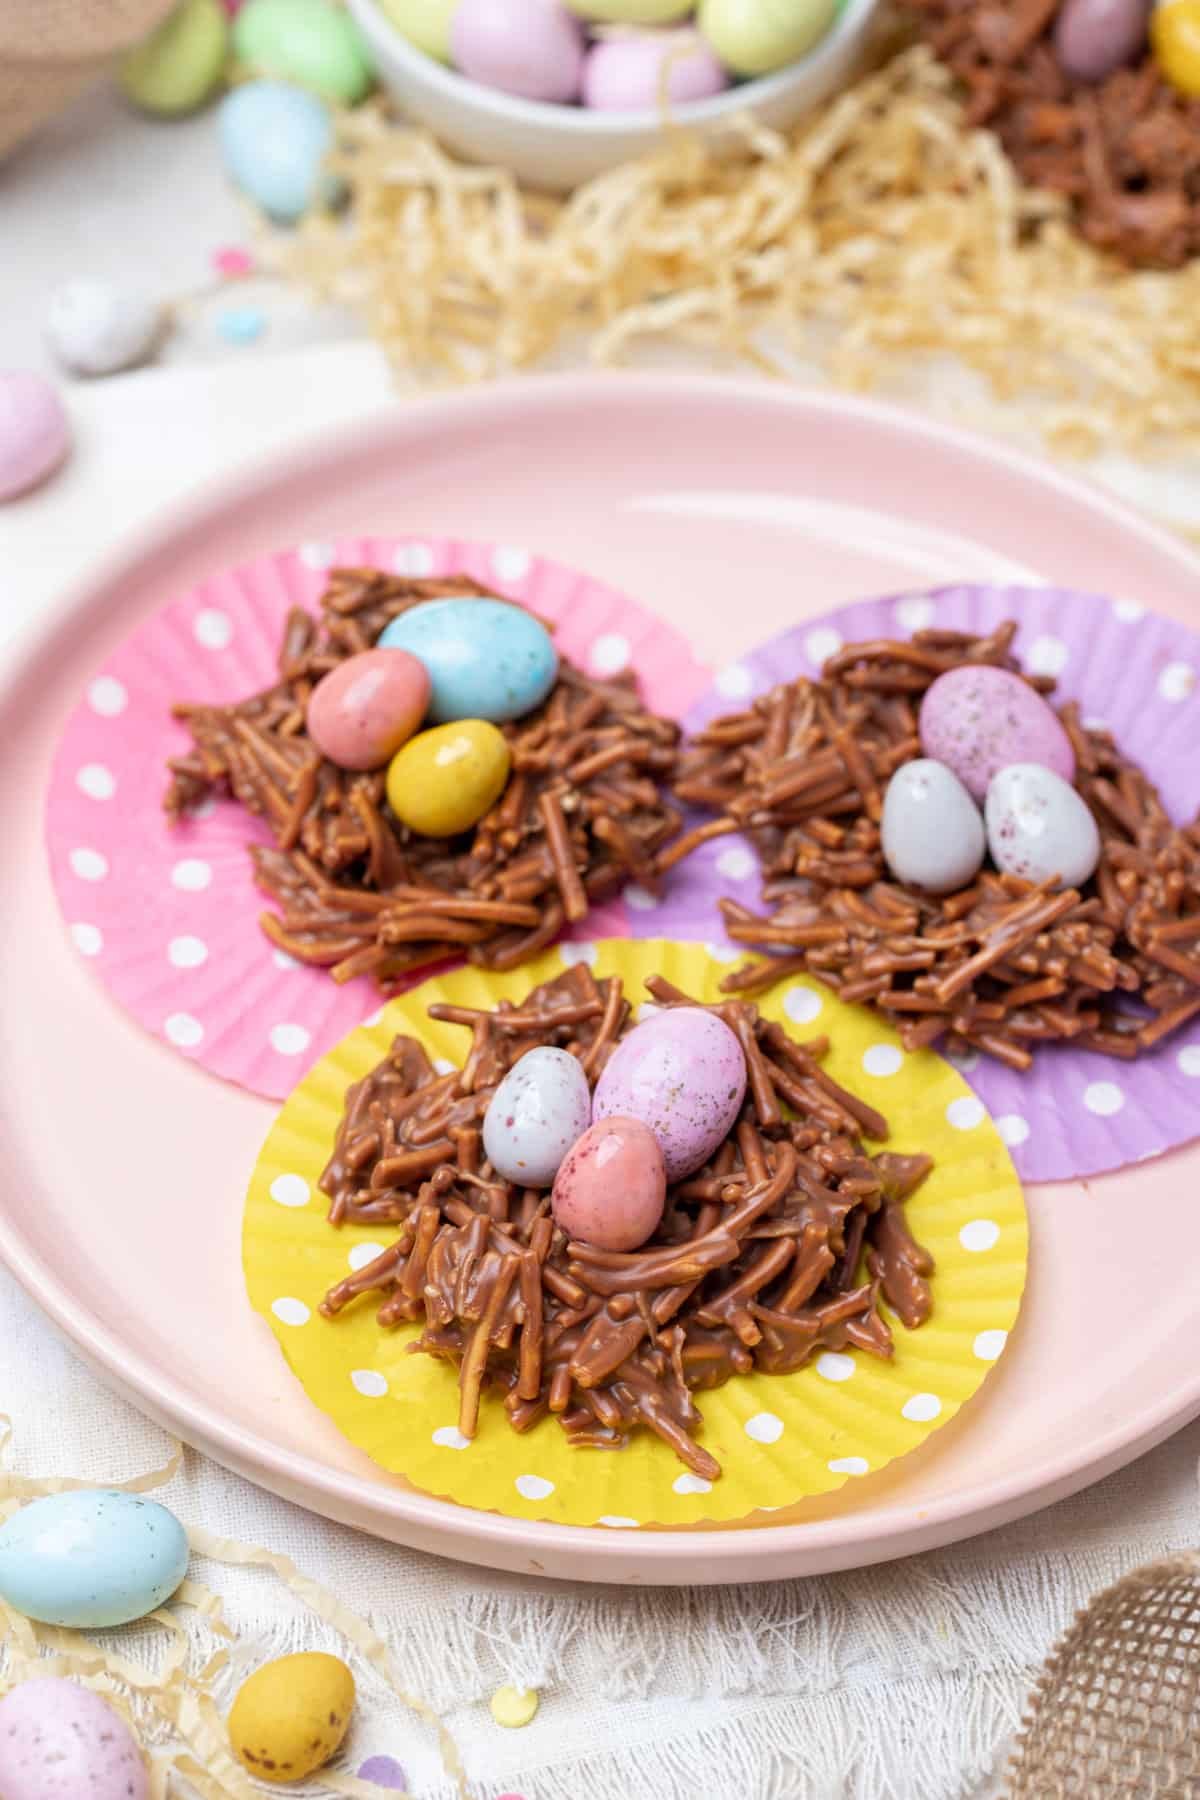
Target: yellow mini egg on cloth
x,y
755,37
443,781
291,1715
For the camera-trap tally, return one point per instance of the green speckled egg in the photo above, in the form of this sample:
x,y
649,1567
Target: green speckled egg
x,y
181,64
308,42
425,23
755,37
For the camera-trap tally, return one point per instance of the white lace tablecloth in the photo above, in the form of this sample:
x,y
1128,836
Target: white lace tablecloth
x,y
900,1683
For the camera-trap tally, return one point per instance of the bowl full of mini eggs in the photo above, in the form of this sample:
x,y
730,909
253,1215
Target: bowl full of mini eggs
x,y
559,90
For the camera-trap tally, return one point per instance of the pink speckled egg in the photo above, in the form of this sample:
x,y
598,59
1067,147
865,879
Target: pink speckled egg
x,y
59,1741
531,48
612,1186
364,710
34,434
628,73
977,720
683,1074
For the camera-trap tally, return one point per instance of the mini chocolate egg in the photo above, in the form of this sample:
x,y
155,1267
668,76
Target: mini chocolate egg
x,y
34,434
683,1074
540,1108
274,139
96,328
60,1741
443,781
932,832
487,659
425,23
754,37
612,1186
290,1716
977,720
1175,40
1039,828
631,73
180,65
632,12
1092,38
362,711
311,42
93,1556
531,48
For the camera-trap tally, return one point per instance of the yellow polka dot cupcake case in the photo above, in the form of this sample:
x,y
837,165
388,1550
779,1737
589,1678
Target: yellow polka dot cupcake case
x,y
779,1439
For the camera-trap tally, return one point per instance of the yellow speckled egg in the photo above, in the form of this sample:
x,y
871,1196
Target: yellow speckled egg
x,y
754,37
291,1715
632,12
1175,38
425,23
443,781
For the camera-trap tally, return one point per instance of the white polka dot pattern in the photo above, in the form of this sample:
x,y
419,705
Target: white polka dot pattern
x,y
979,1235
831,1365
96,781
187,952
290,1040
821,643
915,612
290,1311
1013,1129
413,559
108,696
609,654
212,628
637,897
511,562
572,953
318,555
1188,1060
1104,1098
89,864
734,682
921,1408
618,1522
88,939
849,1465
802,1005
533,1487
192,875
764,1428
1047,655
989,1345
362,1254
449,1437
290,1190
966,1112
1177,682
370,1383
687,1483
736,863
183,1030
883,1059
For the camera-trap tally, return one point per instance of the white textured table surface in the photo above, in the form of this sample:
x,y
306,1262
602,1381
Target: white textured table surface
x,y
784,1693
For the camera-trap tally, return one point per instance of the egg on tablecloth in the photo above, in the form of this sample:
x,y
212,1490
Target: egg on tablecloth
x,y
91,1557
60,1741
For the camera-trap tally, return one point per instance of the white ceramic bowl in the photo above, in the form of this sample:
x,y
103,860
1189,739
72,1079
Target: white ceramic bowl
x,y
555,147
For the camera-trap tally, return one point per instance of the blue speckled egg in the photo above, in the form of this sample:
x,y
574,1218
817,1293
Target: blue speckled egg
x,y
486,658
89,1558
274,139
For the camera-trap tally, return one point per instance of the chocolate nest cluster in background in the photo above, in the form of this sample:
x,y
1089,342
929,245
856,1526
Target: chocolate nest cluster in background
x,y
1002,965
581,816
1124,150
758,1262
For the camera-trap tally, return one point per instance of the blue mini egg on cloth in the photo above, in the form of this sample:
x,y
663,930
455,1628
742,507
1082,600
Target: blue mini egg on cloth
x,y
89,1558
274,139
486,658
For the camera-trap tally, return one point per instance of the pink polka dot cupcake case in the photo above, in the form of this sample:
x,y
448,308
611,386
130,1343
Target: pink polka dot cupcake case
x,y
167,917
1075,1112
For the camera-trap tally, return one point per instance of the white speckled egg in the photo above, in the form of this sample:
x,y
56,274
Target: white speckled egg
x,y
59,1741
539,1110
96,328
683,1074
1039,828
932,833
91,1557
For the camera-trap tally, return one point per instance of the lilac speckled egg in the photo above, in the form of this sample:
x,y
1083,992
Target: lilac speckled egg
x,y
977,720
612,1187
531,48
1039,828
539,1110
629,73
1093,38
683,1074
362,711
59,1741
34,434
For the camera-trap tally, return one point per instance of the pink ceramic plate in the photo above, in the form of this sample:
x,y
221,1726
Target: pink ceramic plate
x,y
733,510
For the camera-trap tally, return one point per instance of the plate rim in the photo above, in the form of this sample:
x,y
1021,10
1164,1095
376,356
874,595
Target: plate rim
x,y
648,1556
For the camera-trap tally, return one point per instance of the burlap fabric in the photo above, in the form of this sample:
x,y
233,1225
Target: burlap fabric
x,y
1116,1710
50,49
